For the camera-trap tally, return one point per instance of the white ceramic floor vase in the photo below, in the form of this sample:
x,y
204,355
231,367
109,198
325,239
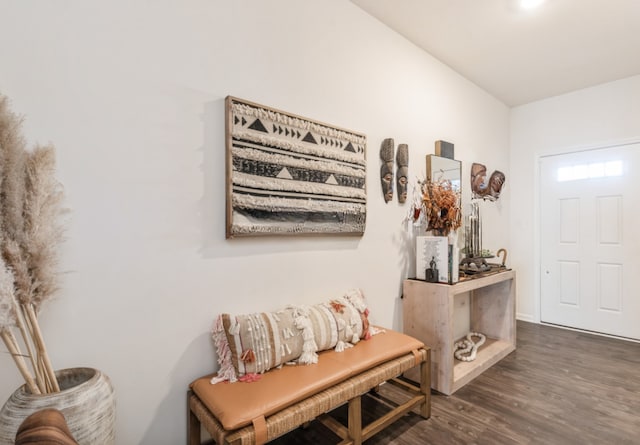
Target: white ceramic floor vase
x,y
86,398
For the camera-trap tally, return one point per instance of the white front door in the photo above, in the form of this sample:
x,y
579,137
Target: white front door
x,y
590,242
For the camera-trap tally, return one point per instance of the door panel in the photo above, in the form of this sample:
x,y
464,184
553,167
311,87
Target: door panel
x,y
609,210
589,229
610,287
569,282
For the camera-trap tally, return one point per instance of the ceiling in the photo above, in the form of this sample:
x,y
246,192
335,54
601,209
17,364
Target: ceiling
x,y
520,56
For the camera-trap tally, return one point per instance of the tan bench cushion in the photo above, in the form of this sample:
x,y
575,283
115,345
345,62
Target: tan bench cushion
x,y
379,349
237,404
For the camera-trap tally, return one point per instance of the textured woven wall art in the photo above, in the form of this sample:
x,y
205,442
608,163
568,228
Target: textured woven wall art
x,y
291,175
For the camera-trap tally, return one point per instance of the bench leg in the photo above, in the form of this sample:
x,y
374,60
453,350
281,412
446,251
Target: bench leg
x,y
425,386
355,420
193,425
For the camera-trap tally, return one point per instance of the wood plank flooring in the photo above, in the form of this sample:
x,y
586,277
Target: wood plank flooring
x,y
558,387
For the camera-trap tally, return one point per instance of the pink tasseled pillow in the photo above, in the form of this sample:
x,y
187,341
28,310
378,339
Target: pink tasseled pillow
x,y
252,344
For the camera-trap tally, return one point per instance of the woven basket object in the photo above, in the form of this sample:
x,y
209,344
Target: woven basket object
x,y
86,398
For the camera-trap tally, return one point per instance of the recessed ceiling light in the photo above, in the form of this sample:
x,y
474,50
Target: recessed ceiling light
x,y
530,4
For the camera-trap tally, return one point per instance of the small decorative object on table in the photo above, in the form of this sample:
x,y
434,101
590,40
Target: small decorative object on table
x,y
432,258
475,256
468,346
431,274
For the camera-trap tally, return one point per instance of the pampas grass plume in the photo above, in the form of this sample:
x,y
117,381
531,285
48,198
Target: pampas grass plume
x,y
15,260
12,157
42,210
8,315
12,191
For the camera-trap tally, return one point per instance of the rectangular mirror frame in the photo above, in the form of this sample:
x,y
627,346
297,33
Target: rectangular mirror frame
x,y
439,168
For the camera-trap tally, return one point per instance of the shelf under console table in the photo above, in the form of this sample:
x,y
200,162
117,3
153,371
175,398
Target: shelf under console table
x,y
428,315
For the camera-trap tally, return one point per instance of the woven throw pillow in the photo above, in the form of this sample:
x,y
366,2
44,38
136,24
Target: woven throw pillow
x,y
254,343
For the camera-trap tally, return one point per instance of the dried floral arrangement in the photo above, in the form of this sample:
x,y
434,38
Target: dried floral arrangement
x,y
441,205
30,231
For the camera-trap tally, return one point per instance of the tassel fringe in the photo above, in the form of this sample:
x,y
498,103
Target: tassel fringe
x,y
250,377
309,347
226,372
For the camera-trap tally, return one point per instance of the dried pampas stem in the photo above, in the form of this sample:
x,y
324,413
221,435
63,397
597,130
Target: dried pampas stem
x,y
42,350
11,317
12,345
45,376
27,338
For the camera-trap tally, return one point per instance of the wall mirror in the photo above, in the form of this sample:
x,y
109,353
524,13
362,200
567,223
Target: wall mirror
x,y
441,169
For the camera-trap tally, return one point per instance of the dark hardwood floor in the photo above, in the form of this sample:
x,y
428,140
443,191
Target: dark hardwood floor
x,y
558,387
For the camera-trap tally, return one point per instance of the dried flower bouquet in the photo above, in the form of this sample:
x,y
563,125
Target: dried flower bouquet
x,y
30,231
441,204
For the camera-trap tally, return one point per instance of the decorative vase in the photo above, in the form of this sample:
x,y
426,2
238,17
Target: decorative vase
x,y
86,398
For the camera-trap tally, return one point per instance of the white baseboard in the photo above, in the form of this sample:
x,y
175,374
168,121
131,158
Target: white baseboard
x,y
526,317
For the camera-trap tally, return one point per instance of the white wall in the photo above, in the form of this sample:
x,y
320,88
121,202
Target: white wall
x,y
131,93
594,117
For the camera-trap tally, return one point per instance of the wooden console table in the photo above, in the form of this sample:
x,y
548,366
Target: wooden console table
x,y
428,316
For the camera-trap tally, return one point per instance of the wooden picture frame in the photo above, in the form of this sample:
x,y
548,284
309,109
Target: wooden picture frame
x,y
290,175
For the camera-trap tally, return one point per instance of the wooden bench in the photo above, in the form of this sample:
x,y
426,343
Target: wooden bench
x,y
286,398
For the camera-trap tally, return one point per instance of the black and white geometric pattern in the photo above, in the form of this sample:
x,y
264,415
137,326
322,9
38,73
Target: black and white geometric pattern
x,y
292,175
